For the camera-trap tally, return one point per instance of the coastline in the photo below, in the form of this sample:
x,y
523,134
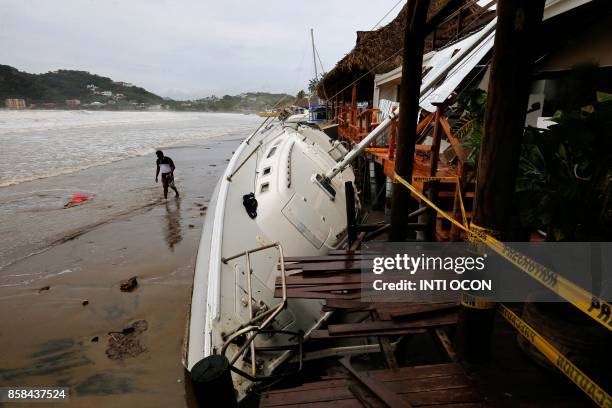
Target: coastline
x,y
59,286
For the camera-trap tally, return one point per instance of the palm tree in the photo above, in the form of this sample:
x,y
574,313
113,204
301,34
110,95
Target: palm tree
x,y
312,85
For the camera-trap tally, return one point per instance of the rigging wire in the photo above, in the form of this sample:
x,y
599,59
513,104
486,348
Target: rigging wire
x,y
383,17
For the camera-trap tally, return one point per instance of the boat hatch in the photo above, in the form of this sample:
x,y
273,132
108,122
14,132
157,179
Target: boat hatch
x,y
306,220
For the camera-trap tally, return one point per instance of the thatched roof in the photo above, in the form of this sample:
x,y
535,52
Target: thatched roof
x,y
375,52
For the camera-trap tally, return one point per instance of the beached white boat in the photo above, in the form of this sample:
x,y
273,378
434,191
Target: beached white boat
x,y
293,215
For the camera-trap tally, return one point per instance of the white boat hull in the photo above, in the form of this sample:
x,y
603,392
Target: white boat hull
x,y
276,164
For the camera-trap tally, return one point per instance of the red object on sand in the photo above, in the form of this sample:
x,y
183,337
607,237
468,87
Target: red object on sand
x,y
79,198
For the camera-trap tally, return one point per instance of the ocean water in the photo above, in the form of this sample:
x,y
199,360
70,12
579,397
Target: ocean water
x,y
48,156
39,144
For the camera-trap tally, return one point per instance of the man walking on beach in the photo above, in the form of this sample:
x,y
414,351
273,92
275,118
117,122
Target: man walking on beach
x,y
165,165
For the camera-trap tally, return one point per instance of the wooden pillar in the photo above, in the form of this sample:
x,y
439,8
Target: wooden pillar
x,y
435,143
508,93
410,89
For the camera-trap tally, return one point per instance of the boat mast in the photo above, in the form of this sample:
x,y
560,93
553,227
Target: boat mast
x,y
314,55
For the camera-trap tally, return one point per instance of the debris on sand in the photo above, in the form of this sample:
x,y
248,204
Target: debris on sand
x,y
129,285
191,226
44,288
77,199
127,342
94,339
85,302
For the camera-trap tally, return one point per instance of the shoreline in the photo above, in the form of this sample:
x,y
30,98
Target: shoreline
x,y
61,305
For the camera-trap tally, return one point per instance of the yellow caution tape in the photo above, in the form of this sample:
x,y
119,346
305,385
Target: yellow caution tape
x,y
433,178
594,391
598,309
476,302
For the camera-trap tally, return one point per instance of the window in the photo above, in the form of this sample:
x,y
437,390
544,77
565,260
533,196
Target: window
x,y
271,152
266,170
264,187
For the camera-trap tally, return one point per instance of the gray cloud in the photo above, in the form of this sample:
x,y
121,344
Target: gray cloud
x,y
185,48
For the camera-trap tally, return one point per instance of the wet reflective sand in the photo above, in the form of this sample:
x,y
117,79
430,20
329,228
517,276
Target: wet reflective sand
x,y
59,336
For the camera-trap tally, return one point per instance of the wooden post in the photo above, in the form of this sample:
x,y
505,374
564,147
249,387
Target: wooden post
x,y
410,89
351,218
435,143
508,93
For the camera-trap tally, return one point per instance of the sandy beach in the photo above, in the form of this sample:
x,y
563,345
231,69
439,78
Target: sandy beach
x,y
62,312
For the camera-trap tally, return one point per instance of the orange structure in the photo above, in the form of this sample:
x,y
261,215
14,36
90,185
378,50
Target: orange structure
x,y
452,175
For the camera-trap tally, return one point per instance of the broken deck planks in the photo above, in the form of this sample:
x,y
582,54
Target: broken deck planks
x,y
443,320
438,385
322,334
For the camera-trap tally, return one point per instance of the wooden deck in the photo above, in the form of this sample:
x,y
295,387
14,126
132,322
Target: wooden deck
x,y
440,385
425,371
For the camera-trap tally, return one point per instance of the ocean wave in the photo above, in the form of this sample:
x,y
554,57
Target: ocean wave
x,y
43,144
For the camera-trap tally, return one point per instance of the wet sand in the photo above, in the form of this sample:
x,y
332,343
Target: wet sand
x,y
49,337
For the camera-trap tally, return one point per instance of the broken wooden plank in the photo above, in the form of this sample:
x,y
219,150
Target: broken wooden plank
x,y
346,256
389,397
443,320
301,293
322,334
330,265
320,279
445,342
421,371
327,395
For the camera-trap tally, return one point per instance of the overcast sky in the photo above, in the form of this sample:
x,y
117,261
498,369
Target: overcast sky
x,y
186,48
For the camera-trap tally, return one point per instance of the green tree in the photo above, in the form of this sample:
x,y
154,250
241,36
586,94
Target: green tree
x,y
312,85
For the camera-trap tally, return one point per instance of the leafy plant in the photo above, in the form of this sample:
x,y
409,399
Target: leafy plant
x,y
468,129
565,174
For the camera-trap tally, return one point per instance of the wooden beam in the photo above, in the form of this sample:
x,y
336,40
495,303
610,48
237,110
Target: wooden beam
x,y
508,94
435,143
377,388
445,12
408,115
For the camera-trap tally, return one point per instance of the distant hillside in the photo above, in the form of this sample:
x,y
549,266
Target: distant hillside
x,y
58,86
92,90
245,102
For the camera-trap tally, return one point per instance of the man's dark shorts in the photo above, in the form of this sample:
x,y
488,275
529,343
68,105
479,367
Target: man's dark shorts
x,y
167,180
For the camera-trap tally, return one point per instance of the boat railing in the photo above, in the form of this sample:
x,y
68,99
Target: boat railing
x,y
260,323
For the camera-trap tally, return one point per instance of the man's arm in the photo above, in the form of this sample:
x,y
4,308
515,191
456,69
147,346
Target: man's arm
x,y
171,165
157,173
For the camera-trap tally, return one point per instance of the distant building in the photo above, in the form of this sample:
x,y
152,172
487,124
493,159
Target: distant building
x,y
124,84
106,93
73,102
96,104
92,87
14,103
